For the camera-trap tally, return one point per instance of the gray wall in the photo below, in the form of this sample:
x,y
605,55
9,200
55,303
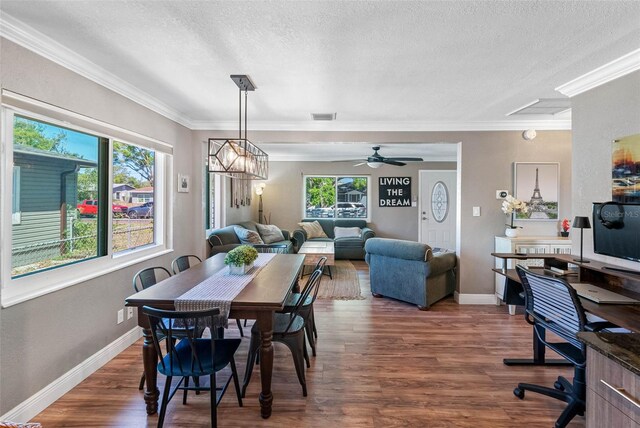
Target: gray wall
x,y
600,116
487,165
43,338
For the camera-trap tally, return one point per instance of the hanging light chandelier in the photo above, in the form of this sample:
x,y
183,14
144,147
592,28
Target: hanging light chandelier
x,y
239,157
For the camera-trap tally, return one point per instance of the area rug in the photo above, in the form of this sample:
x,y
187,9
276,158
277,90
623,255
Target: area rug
x,y
343,286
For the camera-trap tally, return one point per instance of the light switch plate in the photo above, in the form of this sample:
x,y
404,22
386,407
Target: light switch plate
x,y
476,211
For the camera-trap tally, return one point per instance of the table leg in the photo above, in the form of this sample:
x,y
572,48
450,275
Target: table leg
x,y
265,325
538,354
150,361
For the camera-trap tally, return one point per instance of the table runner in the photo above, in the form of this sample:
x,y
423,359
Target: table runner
x,y
219,290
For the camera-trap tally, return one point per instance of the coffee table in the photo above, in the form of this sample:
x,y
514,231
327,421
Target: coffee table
x,y
314,250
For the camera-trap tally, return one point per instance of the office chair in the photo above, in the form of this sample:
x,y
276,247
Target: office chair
x,y
191,356
552,304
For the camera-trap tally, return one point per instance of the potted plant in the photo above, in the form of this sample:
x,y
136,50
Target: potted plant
x,y
240,259
511,206
565,228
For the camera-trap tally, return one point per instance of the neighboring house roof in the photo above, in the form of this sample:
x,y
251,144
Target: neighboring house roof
x,y
143,190
32,151
119,186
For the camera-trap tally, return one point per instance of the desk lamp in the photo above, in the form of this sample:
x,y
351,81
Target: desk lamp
x,y
581,223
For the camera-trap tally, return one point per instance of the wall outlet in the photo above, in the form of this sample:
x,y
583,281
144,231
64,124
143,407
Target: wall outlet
x,y
129,313
501,194
120,316
476,211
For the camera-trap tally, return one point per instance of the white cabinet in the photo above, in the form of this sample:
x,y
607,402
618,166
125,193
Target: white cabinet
x,y
528,245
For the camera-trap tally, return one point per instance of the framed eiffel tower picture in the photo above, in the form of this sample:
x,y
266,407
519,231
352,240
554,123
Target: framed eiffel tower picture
x,y
537,184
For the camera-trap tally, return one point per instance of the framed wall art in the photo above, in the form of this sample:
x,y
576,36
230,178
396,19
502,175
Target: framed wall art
x,y
537,184
625,170
183,183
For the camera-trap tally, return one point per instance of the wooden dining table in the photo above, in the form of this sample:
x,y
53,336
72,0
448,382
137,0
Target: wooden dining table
x,y
266,293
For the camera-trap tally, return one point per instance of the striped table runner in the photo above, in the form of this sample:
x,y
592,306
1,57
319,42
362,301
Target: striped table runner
x,y
219,290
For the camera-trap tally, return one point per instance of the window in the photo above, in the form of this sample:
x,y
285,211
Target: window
x,y
87,198
336,197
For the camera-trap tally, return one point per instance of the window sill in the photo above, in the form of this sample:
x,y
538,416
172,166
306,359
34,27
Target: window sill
x,y
33,286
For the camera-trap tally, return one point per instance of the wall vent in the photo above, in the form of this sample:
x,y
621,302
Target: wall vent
x,y
324,116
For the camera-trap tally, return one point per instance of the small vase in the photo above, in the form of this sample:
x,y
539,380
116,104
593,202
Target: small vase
x,y
564,234
240,270
511,233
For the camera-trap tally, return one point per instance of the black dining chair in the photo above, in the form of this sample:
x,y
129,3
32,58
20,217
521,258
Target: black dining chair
x,y
144,279
191,355
288,329
306,310
184,262
552,304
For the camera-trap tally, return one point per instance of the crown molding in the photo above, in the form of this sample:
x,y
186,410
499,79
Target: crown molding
x,y
413,126
334,158
20,33
617,68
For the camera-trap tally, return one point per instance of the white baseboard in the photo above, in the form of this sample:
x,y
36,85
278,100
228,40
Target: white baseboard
x,y
42,399
475,299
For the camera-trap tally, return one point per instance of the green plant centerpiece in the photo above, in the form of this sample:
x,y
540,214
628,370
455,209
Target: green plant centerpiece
x,y
240,259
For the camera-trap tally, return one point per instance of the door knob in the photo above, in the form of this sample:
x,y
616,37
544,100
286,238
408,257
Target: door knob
x,y
424,218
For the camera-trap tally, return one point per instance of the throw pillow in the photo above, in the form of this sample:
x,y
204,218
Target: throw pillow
x,y
347,232
247,236
270,233
313,229
428,255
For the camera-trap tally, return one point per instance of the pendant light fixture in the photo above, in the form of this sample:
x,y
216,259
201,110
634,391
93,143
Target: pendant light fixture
x,y
239,157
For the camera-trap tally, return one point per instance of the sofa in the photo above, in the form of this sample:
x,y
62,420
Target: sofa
x,y
345,247
225,239
410,271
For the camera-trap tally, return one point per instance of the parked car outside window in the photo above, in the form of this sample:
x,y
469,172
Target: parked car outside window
x,y
351,209
141,211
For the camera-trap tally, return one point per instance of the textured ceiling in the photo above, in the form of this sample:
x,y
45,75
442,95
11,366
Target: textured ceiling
x,y
372,62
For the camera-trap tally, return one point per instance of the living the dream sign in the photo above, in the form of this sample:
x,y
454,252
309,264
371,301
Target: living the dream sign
x,y
394,191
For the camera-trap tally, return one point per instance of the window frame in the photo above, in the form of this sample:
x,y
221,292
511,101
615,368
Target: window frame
x,y
16,216
335,209
26,287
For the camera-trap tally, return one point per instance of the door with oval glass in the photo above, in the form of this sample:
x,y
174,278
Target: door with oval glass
x,y
438,208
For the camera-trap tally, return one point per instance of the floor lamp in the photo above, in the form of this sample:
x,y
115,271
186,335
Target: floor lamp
x,y
581,223
259,191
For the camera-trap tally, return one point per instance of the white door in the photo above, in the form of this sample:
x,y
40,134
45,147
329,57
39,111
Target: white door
x,y
438,208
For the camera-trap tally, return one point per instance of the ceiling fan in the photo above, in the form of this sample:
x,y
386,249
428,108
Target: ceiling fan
x,y
376,160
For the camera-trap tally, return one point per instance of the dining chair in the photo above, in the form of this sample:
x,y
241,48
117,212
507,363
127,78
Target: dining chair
x,y
144,279
182,263
287,329
191,355
552,304
307,309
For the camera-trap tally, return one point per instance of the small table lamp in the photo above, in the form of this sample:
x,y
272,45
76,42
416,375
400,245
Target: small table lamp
x,y
581,223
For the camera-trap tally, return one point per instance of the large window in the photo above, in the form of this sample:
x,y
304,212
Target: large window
x,y
81,198
336,196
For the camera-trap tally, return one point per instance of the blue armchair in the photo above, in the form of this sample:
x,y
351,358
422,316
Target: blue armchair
x,y
409,271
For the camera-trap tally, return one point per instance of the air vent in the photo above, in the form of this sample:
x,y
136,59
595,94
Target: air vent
x,y
324,116
544,106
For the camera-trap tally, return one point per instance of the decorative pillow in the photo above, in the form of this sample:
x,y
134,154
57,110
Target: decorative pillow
x,y
313,229
347,232
428,255
270,233
247,236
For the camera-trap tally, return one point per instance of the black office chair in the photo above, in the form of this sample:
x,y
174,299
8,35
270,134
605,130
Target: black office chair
x,y
191,356
551,304
288,329
184,262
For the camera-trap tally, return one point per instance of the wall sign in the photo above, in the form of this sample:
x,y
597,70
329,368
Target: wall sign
x,y
394,191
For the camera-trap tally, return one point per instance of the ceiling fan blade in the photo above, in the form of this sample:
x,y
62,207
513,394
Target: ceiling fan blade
x,y
360,164
393,162
406,159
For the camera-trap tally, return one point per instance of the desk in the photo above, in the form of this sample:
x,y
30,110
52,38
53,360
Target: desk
x,y
597,273
264,295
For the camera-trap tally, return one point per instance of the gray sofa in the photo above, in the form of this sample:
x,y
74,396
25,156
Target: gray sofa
x,y
398,269
345,248
225,239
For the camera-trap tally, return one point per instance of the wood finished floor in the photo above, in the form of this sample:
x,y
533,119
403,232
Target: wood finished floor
x,y
380,363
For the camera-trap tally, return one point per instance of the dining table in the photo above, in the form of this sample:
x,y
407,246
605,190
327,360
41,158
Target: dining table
x,y
265,294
